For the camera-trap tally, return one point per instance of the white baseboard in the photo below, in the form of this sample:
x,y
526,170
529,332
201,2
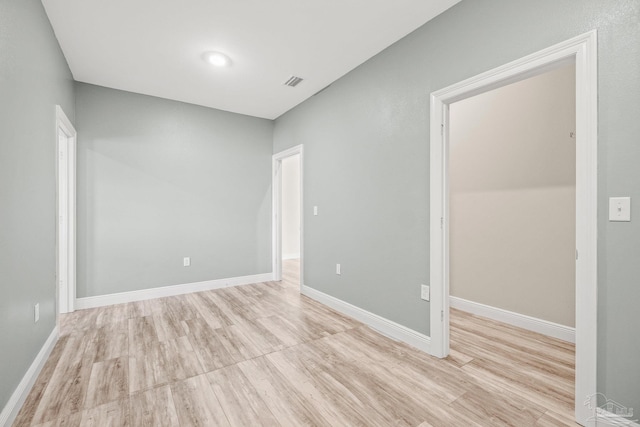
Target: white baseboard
x,y
605,418
17,399
290,256
379,323
167,291
529,323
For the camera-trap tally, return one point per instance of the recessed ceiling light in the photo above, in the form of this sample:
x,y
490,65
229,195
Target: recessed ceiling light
x,y
217,59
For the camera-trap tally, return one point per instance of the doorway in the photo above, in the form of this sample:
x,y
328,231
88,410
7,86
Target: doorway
x,y
66,138
581,51
287,215
512,236
512,203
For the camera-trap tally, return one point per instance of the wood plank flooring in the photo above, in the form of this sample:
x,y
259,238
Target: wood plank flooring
x,y
265,355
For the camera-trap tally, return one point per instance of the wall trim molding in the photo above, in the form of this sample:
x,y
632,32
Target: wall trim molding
x,y
523,321
290,256
379,323
19,396
606,418
167,291
66,166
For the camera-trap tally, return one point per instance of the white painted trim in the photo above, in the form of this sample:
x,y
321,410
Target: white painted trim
x,y
19,396
605,418
290,256
529,323
587,222
167,291
66,292
583,50
276,211
379,323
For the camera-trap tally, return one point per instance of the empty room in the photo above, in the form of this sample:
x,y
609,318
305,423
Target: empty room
x,y
282,213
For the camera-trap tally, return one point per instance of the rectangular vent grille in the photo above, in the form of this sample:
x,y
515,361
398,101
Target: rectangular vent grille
x,y
293,81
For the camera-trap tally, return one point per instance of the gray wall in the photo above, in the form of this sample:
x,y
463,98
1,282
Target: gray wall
x,y
512,197
160,180
34,77
366,154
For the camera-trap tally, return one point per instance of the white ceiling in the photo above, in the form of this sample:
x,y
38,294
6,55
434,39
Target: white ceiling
x,y
155,47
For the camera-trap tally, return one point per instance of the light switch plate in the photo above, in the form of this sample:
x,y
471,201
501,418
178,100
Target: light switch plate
x,y
620,209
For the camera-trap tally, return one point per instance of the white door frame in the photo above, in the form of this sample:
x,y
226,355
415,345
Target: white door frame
x,y
582,50
66,213
276,206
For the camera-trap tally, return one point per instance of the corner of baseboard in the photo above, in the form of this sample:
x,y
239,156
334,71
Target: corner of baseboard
x,y
19,396
383,325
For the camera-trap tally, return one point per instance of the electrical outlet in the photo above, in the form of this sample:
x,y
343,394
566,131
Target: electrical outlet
x,y
425,292
186,261
338,269
36,313
315,210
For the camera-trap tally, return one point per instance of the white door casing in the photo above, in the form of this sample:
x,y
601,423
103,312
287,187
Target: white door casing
x,y
583,51
66,138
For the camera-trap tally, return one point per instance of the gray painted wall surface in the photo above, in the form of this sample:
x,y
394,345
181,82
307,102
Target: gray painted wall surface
x,y
366,161
34,77
160,180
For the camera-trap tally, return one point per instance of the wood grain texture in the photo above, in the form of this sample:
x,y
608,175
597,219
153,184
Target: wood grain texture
x,y
240,401
108,382
264,355
153,408
196,404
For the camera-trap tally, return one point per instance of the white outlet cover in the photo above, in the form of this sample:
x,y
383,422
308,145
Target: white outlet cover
x,y
425,292
338,269
186,261
36,313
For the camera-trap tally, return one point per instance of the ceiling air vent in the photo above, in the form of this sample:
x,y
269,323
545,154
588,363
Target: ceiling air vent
x,y
293,81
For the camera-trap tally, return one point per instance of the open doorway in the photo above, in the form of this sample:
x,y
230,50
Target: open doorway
x,y
512,221
512,171
287,217
581,51
291,219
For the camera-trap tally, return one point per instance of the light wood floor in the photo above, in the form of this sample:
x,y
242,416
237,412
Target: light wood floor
x,y
265,355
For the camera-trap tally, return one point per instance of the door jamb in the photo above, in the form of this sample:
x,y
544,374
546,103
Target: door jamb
x,y
66,293
276,206
583,50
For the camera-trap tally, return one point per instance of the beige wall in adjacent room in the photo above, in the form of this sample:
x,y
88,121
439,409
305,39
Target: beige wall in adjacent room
x,y
513,197
291,207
